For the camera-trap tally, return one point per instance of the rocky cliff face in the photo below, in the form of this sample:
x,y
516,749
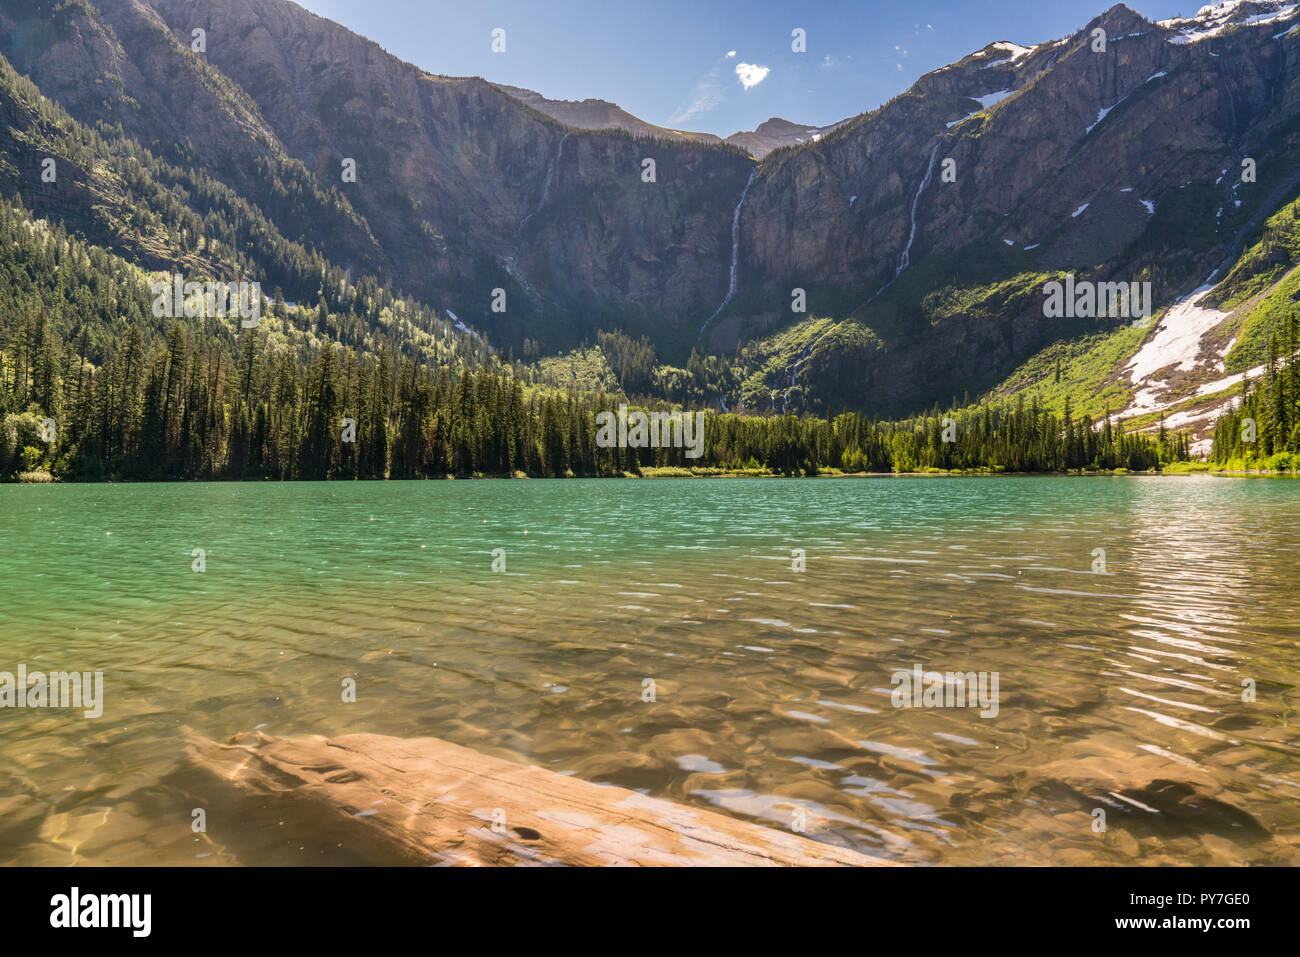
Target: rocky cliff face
x,y
1120,164
1056,148
1013,162
467,191
118,62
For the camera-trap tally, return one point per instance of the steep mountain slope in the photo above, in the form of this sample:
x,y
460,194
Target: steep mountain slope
x,y
459,189
82,250
1108,164
117,63
468,191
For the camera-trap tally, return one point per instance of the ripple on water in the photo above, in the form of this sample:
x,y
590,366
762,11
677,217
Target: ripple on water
x,y
1123,688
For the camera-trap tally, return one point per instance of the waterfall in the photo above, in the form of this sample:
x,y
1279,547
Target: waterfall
x,y
512,266
929,172
735,255
550,172
794,374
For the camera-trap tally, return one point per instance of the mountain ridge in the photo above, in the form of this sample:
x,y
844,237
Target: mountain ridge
x,y
597,114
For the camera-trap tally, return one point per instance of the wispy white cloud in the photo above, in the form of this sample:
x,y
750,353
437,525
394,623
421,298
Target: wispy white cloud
x,y
707,93
711,89
751,74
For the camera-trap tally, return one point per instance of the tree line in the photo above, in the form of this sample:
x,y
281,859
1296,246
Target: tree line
x,y
1263,430
187,405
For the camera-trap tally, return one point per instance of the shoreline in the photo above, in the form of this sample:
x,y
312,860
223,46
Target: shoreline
x,y
676,473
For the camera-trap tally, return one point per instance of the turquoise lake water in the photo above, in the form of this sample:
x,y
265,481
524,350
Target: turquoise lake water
x,y
769,614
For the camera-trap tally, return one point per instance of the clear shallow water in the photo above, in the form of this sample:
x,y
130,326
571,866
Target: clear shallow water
x,y
1120,691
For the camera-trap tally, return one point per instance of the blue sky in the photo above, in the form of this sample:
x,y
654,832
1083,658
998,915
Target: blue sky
x,y
671,62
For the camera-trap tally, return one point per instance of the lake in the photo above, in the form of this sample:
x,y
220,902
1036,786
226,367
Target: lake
x,y
536,620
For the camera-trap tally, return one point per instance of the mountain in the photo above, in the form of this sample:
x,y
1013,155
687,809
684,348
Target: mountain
x,y
777,133
598,115
591,114
919,235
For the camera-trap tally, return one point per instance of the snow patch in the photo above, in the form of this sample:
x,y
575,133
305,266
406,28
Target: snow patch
x,y
1177,343
1227,382
1015,49
1005,46
1211,21
1078,212
1270,17
460,325
1102,114
992,99
1151,206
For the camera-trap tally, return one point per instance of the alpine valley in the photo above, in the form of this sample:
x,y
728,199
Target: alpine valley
x,y
490,230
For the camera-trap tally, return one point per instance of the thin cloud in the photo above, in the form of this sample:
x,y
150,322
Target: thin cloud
x,y
711,89
707,93
751,74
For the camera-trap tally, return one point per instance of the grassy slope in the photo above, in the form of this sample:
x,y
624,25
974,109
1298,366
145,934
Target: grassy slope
x,y
1089,373
1266,271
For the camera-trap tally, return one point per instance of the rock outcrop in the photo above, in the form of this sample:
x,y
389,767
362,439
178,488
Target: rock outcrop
x,y
427,801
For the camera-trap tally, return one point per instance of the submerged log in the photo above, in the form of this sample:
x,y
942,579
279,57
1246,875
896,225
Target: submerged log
x,y
428,801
